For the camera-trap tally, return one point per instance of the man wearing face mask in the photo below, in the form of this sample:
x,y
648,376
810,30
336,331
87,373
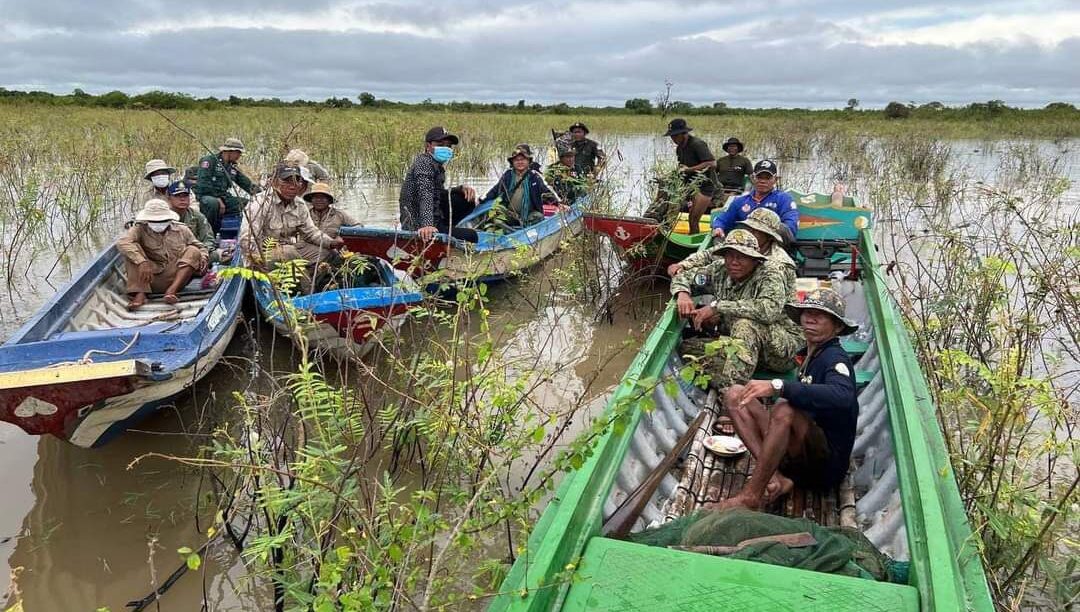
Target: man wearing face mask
x,y
160,254
157,173
426,206
280,216
218,173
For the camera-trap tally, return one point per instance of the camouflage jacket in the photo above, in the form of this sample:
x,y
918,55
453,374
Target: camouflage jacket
x,y
777,257
760,297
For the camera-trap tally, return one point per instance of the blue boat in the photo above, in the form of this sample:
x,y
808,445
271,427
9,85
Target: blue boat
x,y
341,321
493,257
85,369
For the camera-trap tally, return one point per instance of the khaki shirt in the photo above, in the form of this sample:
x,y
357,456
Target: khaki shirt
x,y
330,222
140,244
268,218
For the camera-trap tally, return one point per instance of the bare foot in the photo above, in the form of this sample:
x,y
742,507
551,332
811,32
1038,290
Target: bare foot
x,y
779,486
741,500
170,298
137,301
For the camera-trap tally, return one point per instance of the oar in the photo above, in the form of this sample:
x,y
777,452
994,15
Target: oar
x,y
622,520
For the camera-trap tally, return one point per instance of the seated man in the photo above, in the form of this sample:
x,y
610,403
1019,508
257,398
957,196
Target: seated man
x,y
522,190
327,218
564,178
218,173
180,203
160,254
277,219
763,195
746,307
806,438
766,227
157,173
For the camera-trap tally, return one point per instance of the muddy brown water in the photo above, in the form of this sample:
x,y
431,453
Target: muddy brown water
x,y
83,529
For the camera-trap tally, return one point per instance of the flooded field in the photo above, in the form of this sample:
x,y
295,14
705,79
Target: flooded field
x,y
85,529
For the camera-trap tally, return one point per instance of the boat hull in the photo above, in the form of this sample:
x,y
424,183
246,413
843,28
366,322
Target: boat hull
x,y
84,369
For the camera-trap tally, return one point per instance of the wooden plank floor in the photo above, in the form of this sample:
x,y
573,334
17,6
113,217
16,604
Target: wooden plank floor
x,y
707,477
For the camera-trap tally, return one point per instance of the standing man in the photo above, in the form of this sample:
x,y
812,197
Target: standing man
x,y
807,437
765,194
217,174
698,168
423,193
589,158
733,169
160,254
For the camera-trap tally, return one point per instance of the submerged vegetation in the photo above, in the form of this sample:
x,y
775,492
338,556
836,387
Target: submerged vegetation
x,y
412,478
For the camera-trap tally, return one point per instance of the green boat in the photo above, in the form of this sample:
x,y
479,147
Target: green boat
x,y
646,243
900,492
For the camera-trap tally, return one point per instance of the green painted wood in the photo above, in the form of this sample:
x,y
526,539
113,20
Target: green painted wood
x,y
945,564
617,575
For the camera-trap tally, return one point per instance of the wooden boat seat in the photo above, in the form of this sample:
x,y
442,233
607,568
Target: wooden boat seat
x,y
707,477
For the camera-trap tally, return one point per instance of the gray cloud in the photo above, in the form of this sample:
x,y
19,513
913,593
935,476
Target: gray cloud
x,y
546,52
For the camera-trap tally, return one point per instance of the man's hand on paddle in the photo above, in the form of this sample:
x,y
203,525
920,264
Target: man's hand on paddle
x,y
753,390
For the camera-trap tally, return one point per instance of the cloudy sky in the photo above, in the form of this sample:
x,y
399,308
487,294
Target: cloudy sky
x,y
815,53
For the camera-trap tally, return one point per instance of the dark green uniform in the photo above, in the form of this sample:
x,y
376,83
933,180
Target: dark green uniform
x,y
733,170
213,183
197,223
693,152
587,154
566,182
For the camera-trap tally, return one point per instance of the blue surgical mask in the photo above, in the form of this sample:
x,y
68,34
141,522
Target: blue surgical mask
x,y
442,154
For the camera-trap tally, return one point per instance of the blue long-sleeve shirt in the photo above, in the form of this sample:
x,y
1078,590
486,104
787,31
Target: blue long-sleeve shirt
x,y
826,392
780,202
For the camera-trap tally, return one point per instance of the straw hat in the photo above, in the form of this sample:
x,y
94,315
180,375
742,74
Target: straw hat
x,y
320,188
156,165
297,157
156,210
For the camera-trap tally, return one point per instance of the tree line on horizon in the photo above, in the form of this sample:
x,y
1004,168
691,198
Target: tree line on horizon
x,y
640,106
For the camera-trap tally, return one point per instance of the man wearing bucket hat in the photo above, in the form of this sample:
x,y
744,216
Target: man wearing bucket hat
x,y
327,217
767,229
156,172
160,255
746,307
281,217
733,169
589,158
697,166
179,199
218,173
522,190
563,178
425,205
807,436
763,195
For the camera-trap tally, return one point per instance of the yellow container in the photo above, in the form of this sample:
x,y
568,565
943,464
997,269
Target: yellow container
x,y
682,224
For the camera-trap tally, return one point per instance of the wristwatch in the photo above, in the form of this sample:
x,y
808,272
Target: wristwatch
x,y
777,385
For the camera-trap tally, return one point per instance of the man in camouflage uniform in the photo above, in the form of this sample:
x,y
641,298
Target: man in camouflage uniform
x,y
217,174
564,179
746,307
766,226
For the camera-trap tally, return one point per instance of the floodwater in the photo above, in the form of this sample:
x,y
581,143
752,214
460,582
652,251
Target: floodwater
x,y
83,529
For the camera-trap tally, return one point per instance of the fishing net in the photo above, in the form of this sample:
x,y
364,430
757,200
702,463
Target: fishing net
x,y
776,540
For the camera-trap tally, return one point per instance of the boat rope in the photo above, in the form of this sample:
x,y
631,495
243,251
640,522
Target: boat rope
x,y
86,358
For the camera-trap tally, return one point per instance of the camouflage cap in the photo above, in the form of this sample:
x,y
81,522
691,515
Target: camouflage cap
x,y
764,220
232,144
827,301
742,241
521,149
566,152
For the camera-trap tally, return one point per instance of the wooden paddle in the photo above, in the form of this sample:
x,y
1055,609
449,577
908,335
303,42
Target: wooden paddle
x,y
619,524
